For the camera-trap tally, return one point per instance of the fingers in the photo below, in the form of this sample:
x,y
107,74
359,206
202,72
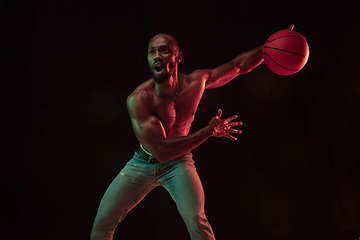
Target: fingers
x,y
235,131
231,137
231,130
233,124
225,126
291,27
229,119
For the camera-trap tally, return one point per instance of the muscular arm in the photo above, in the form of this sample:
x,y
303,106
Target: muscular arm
x,y
152,135
242,64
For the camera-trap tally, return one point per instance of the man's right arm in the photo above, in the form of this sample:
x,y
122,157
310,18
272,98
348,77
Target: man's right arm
x,y
151,133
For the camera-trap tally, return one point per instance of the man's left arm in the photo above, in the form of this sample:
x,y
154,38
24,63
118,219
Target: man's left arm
x,y
242,64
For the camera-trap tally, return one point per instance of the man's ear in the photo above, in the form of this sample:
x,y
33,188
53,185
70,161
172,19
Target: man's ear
x,y
179,57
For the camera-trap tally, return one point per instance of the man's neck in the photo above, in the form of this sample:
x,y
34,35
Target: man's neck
x,y
169,88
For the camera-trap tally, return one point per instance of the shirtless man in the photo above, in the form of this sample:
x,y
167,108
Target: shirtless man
x,y
161,111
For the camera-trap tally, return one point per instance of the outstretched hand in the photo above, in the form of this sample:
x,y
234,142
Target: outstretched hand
x,y
223,127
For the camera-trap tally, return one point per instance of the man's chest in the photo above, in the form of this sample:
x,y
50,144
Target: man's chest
x,y
172,113
179,111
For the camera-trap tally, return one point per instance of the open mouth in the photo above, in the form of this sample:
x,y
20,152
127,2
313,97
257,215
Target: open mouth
x,y
159,68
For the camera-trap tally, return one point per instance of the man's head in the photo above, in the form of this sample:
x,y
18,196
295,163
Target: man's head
x,y
163,56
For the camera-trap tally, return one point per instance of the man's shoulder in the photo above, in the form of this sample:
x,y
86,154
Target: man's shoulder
x,y
143,89
141,95
138,96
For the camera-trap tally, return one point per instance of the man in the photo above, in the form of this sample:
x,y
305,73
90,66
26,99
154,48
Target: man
x,y
161,111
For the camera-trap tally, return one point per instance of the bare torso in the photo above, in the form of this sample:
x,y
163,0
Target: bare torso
x,y
176,113
161,112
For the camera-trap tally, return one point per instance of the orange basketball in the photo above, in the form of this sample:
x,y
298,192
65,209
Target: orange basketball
x,y
286,52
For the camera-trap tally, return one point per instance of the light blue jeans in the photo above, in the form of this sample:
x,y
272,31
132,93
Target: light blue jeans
x,y
179,177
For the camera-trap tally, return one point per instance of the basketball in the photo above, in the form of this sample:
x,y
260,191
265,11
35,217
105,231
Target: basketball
x,y
286,52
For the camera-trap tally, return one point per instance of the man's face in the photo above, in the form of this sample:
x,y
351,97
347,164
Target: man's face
x,y
163,56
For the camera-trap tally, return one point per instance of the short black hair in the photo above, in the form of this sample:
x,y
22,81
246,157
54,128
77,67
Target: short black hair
x,y
170,35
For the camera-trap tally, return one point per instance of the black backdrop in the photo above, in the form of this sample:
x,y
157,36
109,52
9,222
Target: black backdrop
x,y
68,66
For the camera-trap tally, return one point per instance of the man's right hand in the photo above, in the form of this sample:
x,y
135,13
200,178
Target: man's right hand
x,y
223,127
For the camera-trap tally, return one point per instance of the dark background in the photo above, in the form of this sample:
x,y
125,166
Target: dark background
x,y
66,70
